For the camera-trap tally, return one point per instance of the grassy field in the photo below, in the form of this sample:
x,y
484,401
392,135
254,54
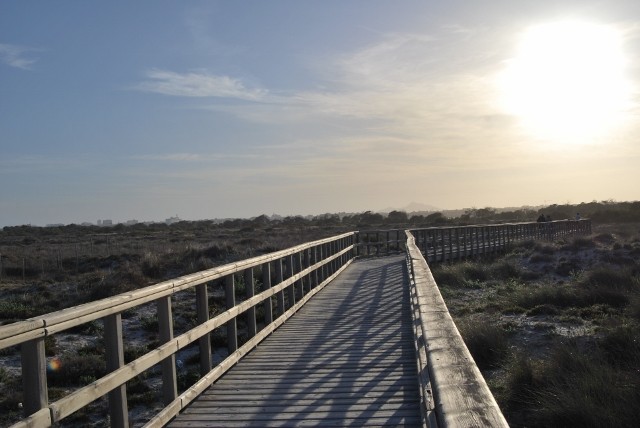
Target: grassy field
x,y
555,327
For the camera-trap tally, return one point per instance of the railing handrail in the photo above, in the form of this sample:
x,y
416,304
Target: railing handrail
x,y
446,369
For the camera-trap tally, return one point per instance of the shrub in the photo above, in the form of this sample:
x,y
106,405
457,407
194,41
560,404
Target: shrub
x,y
74,369
504,270
448,275
577,387
519,384
560,297
621,347
609,278
130,278
474,271
487,343
579,243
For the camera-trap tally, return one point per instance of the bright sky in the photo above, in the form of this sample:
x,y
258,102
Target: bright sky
x,y
212,109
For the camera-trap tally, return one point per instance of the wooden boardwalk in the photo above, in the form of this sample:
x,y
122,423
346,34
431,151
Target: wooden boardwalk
x,y
346,358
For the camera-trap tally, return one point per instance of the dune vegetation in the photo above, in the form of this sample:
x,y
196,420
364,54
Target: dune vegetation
x,y
555,327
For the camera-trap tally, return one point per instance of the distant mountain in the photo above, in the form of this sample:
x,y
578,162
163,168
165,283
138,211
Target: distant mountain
x,y
412,207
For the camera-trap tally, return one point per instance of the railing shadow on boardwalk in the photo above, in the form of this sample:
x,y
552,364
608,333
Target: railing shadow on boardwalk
x,y
289,279
347,356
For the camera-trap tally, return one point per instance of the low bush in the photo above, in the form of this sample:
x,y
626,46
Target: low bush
x,y
577,387
558,296
610,278
621,347
73,369
487,342
578,243
504,270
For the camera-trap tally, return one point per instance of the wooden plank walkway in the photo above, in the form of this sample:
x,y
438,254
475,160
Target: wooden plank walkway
x,y
345,359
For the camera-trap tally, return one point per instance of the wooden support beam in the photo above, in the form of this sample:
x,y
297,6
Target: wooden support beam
x,y
232,327
204,343
114,352
165,324
279,279
266,284
34,376
250,292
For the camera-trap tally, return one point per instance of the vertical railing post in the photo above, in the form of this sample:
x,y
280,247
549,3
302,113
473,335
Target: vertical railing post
x,y
114,355
388,242
266,284
232,325
202,313
280,295
307,263
291,295
34,376
168,365
321,257
464,242
472,240
314,260
331,252
299,285
251,312
484,240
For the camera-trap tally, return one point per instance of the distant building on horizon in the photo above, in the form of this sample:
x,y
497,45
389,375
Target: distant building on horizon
x,y
172,220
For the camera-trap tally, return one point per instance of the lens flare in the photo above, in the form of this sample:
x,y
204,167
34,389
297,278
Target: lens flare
x,y
54,365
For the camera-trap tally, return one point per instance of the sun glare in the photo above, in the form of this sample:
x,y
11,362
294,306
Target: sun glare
x,y
567,81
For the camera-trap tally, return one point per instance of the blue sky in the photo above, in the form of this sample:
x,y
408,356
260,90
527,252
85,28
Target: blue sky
x,y
212,109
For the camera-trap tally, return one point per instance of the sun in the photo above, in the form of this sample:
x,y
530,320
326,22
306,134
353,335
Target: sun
x,y
567,81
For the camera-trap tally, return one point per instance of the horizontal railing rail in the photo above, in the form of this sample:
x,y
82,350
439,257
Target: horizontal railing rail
x,y
457,242
299,272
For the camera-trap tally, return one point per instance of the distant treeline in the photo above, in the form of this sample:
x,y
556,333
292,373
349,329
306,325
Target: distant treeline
x,y
600,212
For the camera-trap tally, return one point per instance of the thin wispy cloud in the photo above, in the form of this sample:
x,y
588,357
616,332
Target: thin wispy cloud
x,y
198,84
392,87
38,164
178,157
190,157
17,56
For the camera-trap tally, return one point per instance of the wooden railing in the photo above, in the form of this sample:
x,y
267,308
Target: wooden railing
x,y
458,242
453,392
288,279
380,242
